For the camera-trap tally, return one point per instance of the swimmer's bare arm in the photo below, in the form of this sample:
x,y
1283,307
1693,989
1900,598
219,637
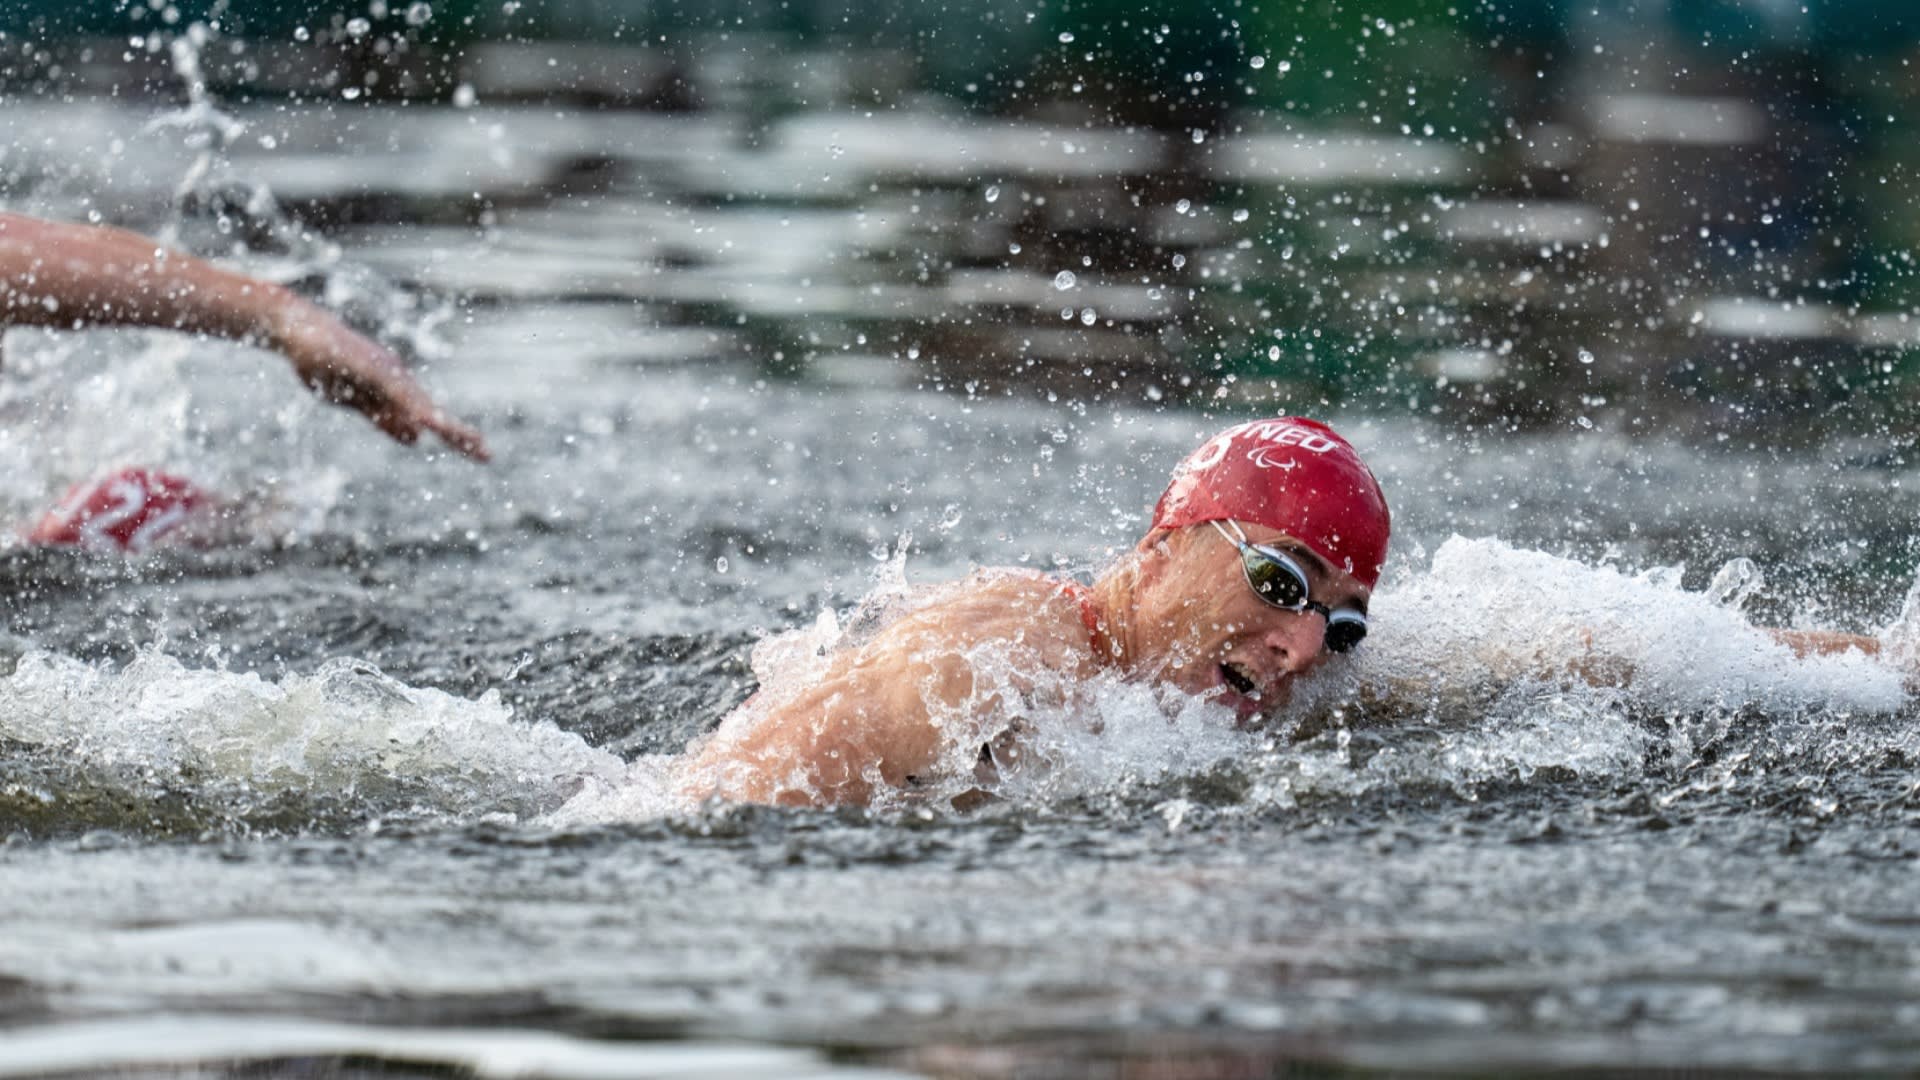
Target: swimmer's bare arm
x,y
1805,643
886,711
1603,670
65,276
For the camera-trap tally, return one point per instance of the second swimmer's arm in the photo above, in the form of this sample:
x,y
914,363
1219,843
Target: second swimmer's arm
x,y
1805,643
1604,670
68,276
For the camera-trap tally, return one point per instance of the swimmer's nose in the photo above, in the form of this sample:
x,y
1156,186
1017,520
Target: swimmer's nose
x,y
1298,643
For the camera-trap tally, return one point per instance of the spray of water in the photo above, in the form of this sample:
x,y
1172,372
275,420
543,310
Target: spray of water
x,y
241,746
1492,665
75,406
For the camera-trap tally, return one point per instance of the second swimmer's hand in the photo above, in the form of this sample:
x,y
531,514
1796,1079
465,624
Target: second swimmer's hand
x,y
347,369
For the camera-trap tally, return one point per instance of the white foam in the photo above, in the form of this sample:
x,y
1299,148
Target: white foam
x,y
343,730
1486,615
1490,664
74,404
180,1041
647,790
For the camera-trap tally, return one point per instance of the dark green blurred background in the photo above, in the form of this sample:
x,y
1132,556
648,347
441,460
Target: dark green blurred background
x,y
1550,105
1361,56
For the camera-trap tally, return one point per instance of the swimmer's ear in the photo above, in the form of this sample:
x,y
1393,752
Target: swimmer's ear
x,y
1151,557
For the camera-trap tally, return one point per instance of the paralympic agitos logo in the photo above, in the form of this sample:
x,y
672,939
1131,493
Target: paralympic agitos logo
x,y
1271,437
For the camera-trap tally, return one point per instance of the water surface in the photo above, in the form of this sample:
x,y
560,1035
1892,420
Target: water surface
x,y
394,759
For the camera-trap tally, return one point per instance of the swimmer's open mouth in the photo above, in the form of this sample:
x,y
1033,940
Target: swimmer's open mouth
x,y
1242,683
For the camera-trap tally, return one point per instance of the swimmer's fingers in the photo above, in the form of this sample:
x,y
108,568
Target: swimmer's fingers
x,y
351,371
401,408
463,437
415,411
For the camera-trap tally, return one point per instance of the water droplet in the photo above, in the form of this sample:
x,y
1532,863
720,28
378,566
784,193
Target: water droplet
x,y
1586,357
1242,214
1735,582
419,13
1585,423
1087,317
720,564
357,27
1183,206
1066,37
950,517
993,193
463,96
1199,136
1257,62
301,33
1283,66
1064,280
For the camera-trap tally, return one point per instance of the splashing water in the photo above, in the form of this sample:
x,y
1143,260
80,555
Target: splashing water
x,y
1494,665
73,406
248,223
202,125
1486,615
57,429
1901,638
345,735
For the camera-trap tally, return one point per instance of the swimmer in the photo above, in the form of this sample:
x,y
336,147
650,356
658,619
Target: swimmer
x,y
65,276
1257,567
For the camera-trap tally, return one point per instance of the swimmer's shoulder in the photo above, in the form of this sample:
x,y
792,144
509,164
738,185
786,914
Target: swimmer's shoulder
x,y
1014,605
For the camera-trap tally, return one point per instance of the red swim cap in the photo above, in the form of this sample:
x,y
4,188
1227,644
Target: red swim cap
x,y
1291,474
129,510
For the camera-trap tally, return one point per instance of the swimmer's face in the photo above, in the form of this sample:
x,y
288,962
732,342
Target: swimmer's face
x,y
1201,627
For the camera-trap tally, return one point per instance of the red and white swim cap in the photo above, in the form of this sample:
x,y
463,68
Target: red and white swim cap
x,y
1291,474
130,510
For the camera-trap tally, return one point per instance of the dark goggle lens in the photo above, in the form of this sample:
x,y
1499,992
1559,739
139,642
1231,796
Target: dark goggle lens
x,y
1278,583
1344,631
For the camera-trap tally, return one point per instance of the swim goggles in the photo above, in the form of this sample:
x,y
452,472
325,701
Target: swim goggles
x,y
1278,579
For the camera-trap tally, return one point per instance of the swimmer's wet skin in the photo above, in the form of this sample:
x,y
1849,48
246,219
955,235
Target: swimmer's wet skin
x,y
1259,564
